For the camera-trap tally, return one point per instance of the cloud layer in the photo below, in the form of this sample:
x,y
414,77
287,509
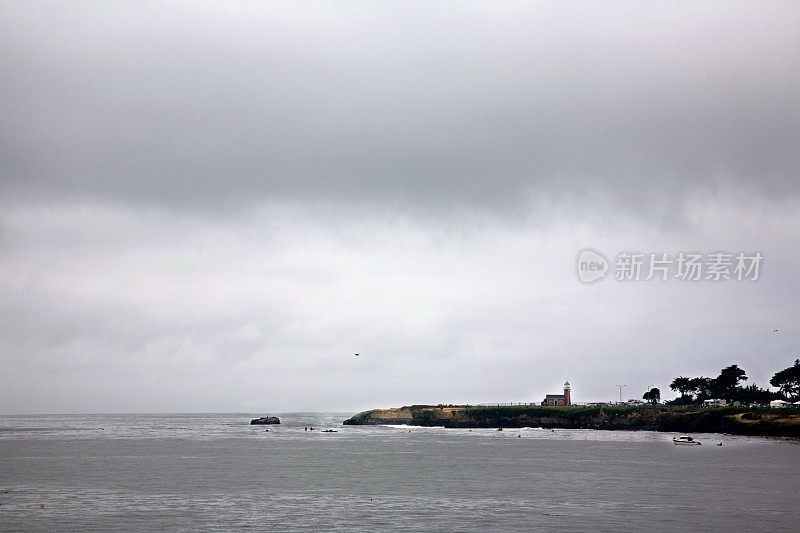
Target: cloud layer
x,y
212,208
425,106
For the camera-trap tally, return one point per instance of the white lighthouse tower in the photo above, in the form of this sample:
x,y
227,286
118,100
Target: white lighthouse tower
x,y
567,388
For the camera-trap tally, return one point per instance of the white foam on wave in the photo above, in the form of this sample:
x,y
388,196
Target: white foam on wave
x,y
406,426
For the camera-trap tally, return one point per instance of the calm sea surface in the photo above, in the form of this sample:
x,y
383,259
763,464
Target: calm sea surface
x,y
215,471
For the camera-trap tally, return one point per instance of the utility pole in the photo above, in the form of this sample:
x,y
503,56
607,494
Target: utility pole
x,y
620,391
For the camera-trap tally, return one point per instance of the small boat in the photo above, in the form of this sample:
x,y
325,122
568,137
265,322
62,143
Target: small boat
x,y
329,431
685,439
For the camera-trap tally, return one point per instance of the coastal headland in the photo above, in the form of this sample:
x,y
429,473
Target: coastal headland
x,y
684,419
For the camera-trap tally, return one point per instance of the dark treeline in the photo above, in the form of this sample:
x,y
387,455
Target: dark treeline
x,y
727,386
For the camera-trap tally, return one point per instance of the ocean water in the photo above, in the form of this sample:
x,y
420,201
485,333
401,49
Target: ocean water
x,y
216,472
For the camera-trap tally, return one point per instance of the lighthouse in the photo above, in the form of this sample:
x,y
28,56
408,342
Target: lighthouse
x,y
559,399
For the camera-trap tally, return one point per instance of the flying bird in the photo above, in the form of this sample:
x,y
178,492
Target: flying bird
x,y
356,355
774,331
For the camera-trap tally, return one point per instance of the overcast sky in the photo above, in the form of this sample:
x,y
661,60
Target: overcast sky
x,y
211,208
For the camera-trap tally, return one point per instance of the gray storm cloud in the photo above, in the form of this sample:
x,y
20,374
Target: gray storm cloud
x,y
210,208
411,103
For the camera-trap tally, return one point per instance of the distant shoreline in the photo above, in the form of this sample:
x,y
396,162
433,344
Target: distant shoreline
x,y
732,420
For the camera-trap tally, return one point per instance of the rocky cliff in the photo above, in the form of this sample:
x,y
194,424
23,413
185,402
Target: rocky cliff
x,y
770,422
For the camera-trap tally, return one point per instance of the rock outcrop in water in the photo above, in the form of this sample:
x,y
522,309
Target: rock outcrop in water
x,y
740,421
265,420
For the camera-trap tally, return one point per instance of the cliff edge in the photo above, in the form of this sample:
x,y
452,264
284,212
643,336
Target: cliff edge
x,y
739,421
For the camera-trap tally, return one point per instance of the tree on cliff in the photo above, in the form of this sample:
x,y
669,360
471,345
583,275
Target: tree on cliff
x,y
703,388
653,395
788,380
681,385
755,394
727,383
